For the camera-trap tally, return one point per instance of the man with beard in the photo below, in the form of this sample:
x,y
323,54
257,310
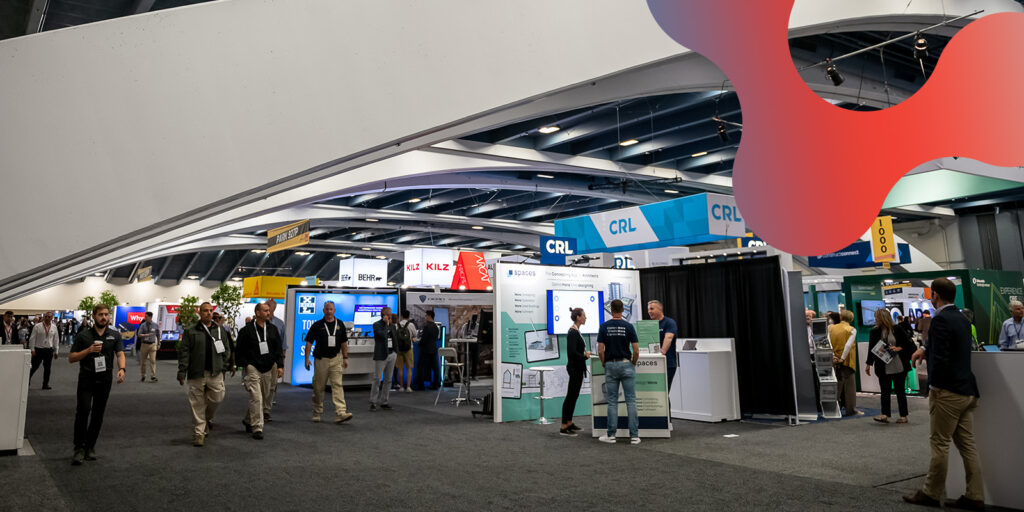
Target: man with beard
x,y
94,349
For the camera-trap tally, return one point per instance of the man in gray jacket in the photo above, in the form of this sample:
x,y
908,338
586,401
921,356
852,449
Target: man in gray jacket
x,y
203,357
385,338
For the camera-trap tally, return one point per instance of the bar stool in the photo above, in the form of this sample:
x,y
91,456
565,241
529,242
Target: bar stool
x,y
450,359
540,370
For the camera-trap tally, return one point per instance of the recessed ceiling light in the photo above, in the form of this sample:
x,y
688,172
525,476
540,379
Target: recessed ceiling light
x,y
236,278
702,153
382,257
193,276
629,142
97,273
670,191
372,220
391,283
415,200
304,282
478,227
546,176
259,251
301,253
344,254
549,129
366,248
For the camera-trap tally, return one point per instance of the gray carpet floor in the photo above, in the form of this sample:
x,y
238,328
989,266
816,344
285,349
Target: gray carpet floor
x,y
418,457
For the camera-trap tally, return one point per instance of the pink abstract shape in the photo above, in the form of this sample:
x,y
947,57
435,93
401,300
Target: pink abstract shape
x,y
810,177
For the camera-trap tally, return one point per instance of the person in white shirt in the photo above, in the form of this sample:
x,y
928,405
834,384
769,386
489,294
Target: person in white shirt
x,y
1011,335
43,342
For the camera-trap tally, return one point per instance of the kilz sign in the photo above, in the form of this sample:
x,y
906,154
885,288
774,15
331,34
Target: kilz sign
x,y
429,267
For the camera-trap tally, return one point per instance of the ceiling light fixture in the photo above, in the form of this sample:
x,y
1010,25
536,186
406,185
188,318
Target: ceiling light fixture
x,y
259,251
670,191
301,253
372,220
344,254
920,47
236,278
546,176
366,248
702,153
722,133
304,282
193,276
549,129
478,227
832,72
415,200
382,257
97,273
629,142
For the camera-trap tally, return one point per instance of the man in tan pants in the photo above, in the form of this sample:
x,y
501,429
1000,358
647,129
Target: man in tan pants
x,y
148,337
204,355
262,360
328,343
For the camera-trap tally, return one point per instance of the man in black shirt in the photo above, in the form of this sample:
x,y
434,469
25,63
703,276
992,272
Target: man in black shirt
x,y
426,365
328,343
619,349
262,361
94,350
203,357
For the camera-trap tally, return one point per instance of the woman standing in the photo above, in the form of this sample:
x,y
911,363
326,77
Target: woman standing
x,y
576,366
893,374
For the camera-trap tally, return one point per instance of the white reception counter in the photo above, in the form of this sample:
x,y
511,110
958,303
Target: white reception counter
x,y
705,386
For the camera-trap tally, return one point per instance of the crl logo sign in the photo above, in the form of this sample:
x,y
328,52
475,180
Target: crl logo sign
x,y
553,250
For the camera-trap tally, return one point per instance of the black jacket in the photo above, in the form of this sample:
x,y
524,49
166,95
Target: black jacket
x,y
428,338
575,352
14,334
902,340
949,353
380,339
248,348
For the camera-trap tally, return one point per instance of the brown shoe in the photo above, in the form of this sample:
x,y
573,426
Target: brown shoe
x,y
197,440
881,418
965,503
903,419
920,498
345,416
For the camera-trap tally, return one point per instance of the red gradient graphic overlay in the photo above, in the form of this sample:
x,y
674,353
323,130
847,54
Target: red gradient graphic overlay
x,y
810,177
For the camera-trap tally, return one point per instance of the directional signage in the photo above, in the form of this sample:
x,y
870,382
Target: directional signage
x,y
856,255
286,237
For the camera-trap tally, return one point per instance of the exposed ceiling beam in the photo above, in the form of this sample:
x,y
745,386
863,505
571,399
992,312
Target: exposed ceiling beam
x,y
302,266
36,16
163,268
131,276
141,6
213,266
332,259
188,268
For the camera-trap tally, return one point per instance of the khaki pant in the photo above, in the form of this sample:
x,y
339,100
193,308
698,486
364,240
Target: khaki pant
x,y
205,394
259,385
328,370
404,363
952,418
847,383
148,355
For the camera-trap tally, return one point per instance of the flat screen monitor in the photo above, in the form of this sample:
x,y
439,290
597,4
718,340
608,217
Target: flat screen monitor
x,y
867,311
562,302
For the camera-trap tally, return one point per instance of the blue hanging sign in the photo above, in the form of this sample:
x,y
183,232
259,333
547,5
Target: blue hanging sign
x,y
856,255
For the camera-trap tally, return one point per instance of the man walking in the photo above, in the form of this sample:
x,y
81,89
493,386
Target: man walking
x,y
94,351
259,355
44,342
667,335
406,337
203,357
426,365
149,337
619,350
328,342
384,336
952,398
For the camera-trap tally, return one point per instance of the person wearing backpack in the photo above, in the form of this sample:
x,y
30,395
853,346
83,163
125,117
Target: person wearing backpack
x,y
406,336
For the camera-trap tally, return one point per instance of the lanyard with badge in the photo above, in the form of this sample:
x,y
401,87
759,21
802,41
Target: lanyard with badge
x,y
218,344
1019,338
264,348
100,360
331,335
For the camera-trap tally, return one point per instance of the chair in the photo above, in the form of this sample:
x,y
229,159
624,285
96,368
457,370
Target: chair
x,y
450,361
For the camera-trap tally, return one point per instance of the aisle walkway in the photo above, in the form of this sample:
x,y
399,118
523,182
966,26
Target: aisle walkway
x,y
418,457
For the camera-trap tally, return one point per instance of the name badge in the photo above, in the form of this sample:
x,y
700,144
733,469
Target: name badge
x,y
264,348
330,341
101,363
218,345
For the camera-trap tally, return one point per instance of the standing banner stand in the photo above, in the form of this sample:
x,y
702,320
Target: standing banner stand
x,y
522,339
651,399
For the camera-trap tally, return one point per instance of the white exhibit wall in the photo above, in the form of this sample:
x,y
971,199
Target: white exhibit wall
x,y
67,296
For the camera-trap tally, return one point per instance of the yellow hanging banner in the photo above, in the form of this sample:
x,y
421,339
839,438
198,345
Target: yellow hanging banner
x,y
883,245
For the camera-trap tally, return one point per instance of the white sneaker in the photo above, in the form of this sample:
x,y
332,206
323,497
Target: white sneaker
x,y
606,439
408,390
634,440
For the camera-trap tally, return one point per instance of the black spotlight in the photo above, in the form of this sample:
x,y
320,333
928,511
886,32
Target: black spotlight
x,y
920,47
722,134
832,72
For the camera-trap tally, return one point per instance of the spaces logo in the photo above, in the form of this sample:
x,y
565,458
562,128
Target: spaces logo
x,y
517,273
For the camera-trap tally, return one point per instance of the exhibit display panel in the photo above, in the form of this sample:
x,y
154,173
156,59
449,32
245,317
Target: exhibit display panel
x,y
15,363
522,340
705,386
126,321
358,309
651,399
997,423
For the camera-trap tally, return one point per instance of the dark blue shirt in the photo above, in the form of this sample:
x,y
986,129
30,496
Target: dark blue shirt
x,y
617,336
667,325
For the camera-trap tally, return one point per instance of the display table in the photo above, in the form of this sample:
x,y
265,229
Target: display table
x,y
705,386
997,427
651,399
15,363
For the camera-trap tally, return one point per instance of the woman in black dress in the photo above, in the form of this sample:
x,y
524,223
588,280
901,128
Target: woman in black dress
x,y
577,355
899,345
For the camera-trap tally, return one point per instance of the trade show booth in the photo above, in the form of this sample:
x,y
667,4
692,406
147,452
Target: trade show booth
x,y
464,315
705,386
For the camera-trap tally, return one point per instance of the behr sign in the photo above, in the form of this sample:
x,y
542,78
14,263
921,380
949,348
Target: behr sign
x,y
286,237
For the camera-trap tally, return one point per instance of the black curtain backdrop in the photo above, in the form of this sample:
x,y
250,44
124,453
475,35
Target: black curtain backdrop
x,y
740,299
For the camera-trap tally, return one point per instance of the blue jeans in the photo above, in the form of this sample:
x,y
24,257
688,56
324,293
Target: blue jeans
x,y
615,373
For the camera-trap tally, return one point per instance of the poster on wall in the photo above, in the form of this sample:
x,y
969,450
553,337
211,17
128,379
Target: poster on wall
x,y
522,340
126,321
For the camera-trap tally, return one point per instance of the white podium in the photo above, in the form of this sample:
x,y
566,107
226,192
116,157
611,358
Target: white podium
x,y
15,363
705,386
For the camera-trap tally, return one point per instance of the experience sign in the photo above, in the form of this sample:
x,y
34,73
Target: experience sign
x,y
883,246
286,237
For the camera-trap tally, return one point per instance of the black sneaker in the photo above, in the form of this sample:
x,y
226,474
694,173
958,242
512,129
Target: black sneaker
x,y
90,454
153,379
258,435
373,407
78,457
574,428
248,427
47,387
386,407
567,432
